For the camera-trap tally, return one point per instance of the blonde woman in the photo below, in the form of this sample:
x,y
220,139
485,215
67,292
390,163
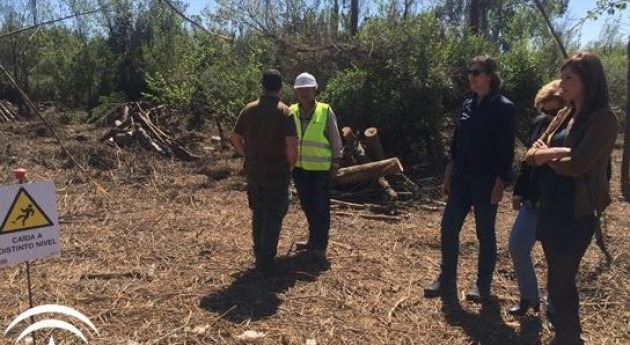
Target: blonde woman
x,y
548,102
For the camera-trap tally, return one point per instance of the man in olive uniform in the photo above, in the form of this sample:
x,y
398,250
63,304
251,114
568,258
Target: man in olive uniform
x,y
265,135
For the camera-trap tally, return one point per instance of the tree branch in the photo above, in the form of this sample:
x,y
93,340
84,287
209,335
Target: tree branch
x,y
540,8
12,33
194,23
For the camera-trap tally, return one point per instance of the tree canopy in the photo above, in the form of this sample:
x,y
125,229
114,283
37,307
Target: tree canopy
x,y
396,64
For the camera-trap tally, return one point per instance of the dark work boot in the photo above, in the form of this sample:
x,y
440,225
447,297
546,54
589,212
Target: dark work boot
x,y
437,289
524,305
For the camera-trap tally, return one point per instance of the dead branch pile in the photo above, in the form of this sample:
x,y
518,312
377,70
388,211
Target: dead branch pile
x,y
8,111
134,124
364,161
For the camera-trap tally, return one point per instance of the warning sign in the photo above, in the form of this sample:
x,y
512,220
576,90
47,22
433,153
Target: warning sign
x,y
29,228
24,214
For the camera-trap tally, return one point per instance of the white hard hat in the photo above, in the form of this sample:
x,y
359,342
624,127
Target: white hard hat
x,y
304,80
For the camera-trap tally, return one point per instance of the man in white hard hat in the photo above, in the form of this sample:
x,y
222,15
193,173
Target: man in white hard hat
x,y
319,154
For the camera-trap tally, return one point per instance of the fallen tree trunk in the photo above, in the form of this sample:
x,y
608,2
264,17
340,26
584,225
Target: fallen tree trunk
x,y
367,171
387,188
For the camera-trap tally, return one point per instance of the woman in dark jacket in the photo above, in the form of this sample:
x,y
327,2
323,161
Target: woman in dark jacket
x,y
575,191
481,161
525,199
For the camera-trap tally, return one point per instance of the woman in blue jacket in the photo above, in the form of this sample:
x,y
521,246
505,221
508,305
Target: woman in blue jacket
x,y
479,168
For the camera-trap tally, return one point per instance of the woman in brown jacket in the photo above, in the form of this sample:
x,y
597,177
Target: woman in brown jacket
x,y
574,188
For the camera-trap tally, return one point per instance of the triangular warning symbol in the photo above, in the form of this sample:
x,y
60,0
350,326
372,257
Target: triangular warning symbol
x,y
24,214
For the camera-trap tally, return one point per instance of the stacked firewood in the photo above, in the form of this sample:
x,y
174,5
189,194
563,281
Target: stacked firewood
x,y
364,161
8,111
134,124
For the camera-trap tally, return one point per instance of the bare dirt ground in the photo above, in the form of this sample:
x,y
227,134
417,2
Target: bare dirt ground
x,y
178,245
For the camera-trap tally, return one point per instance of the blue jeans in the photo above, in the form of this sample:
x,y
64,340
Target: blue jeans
x,y
466,192
313,189
522,241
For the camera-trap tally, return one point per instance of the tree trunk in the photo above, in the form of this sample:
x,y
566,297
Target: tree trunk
x,y
625,160
407,9
368,171
334,18
373,146
545,16
347,134
473,16
354,17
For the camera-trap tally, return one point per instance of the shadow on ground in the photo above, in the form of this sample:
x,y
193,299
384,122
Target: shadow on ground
x,y
252,296
488,327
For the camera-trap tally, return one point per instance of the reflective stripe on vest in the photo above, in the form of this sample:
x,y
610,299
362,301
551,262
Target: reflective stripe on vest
x,y
314,148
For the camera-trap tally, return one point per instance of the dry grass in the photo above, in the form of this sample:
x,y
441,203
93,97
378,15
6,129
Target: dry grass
x,y
175,239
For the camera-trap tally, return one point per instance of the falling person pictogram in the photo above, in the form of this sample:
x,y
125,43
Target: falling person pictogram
x,y
26,213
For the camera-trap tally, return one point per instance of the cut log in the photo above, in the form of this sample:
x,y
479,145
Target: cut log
x,y
373,146
368,171
374,150
387,188
347,134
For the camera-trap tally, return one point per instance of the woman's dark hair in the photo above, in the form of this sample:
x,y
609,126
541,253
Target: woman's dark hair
x,y
490,67
591,72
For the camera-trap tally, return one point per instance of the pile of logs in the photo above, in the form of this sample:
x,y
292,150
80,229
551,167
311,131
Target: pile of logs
x,y
8,111
364,161
133,124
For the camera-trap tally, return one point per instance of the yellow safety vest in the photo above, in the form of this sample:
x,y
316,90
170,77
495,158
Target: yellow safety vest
x,y
314,149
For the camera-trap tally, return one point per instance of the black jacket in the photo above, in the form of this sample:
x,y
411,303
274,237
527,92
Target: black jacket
x,y
483,143
526,184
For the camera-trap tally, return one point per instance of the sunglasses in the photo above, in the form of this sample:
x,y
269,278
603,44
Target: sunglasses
x,y
475,72
550,112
